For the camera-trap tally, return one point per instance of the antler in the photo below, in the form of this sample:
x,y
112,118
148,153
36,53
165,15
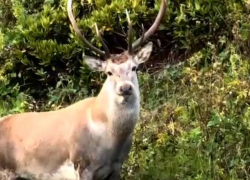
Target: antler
x,y
130,34
131,46
106,54
150,31
105,47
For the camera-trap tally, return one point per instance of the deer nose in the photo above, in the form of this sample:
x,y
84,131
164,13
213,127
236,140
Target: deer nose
x,y
125,89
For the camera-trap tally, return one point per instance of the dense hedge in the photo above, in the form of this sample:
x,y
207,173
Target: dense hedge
x,y
40,53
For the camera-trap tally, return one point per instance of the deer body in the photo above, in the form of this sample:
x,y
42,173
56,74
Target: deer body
x,y
95,134
85,133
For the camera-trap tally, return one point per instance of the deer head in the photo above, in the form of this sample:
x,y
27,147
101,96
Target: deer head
x,y
121,68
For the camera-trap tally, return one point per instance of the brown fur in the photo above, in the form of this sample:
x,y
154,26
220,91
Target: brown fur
x,y
22,141
120,58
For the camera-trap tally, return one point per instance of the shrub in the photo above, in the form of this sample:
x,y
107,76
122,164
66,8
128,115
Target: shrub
x,y
41,54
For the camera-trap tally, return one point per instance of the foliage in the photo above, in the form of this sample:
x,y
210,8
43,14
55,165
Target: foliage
x,y
195,114
9,105
40,50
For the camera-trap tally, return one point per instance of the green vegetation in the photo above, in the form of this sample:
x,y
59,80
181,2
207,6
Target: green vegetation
x,y
195,115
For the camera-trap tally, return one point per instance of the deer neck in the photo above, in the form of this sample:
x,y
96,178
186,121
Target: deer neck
x,y
120,117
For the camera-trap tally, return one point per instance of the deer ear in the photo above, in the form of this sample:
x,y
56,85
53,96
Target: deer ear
x,y
95,64
144,54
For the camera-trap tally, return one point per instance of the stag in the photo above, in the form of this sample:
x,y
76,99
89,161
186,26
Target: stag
x,y
94,134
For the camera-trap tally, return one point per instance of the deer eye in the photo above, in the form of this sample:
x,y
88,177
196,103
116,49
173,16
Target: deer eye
x,y
110,73
134,68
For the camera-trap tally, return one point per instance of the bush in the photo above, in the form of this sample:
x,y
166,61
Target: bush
x,y
42,55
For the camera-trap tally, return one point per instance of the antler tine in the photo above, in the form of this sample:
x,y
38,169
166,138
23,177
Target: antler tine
x,y
155,25
143,34
105,47
130,34
78,32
